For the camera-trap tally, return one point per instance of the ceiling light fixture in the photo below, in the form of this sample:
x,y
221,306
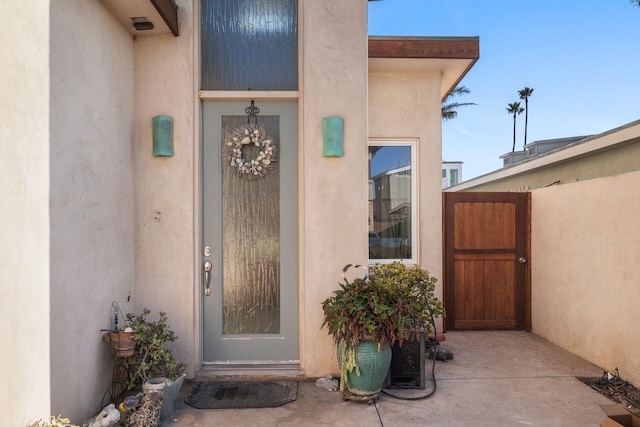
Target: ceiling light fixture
x,y
142,23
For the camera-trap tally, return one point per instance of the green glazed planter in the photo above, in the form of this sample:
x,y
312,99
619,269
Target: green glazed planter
x,y
374,366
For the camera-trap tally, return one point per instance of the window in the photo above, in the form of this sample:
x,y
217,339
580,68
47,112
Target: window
x,y
392,201
454,177
249,45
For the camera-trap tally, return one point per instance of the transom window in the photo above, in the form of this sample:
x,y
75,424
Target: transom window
x,y
392,201
249,45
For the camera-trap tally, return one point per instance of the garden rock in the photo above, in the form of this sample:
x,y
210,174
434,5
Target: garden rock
x,y
328,383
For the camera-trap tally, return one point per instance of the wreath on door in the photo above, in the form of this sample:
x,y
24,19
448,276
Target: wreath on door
x,y
251,134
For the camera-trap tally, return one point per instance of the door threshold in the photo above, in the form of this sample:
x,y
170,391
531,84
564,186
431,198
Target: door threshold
x,y
250,372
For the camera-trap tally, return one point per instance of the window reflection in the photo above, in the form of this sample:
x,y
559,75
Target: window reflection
x,y
390,202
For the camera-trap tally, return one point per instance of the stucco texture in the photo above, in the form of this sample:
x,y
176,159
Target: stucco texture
x,y
92,228
24,212
334,190
585,254
167,206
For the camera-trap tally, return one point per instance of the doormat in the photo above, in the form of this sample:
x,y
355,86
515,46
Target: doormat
x,y
236,395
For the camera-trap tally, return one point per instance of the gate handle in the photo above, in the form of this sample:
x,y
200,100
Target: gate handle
x,y
207,277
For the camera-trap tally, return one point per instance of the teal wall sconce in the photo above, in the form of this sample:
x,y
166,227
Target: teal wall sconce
x,y
162,136
332,136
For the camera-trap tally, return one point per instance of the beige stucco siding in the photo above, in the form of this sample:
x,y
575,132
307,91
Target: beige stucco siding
x,y
407,105
24,212
585,256
166,196
92,196
333,190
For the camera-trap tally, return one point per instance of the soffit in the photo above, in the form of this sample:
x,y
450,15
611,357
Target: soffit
x,y
162,13
452,56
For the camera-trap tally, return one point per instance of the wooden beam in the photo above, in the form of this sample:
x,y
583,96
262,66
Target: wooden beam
x,y
424,47
169,14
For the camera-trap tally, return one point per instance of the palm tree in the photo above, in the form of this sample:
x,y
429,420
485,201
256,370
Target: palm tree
x,y
449,109
515,109
525,94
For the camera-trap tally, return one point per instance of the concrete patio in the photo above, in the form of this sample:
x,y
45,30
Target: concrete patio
x,y
497,378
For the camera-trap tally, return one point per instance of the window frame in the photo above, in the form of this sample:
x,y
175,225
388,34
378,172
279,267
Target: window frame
x,y
412,143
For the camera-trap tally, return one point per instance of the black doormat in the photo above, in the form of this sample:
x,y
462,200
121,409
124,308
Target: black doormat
x,y
234,395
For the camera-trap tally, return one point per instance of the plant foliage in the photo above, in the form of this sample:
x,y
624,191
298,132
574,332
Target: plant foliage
x,y
51,421
449,109
152,357
392,305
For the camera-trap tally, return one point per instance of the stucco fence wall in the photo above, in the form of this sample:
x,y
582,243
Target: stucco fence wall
x,y
585,270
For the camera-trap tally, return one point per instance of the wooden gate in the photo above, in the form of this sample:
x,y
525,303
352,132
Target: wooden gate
x,y
486,271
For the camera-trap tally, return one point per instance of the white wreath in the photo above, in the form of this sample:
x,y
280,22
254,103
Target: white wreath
x,y
251,134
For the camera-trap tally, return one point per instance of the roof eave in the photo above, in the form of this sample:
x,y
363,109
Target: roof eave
x,y
428,48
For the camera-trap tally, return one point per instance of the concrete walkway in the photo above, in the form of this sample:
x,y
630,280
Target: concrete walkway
x,y
497,378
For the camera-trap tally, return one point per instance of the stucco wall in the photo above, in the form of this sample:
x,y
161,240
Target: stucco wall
x,y
24,212
407,105
333,190
166,199
585,256
92,222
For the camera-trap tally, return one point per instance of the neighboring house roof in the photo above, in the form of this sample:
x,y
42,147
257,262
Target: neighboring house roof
x,y
616,151
421,53
538,147
392,172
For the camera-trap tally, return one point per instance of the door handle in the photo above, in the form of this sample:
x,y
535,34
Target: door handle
x,y
522,260
207,277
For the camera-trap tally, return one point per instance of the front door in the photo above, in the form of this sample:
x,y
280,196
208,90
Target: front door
x,y
250,240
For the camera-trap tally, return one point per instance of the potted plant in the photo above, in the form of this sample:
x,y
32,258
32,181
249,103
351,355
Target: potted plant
x,y
152,365
369,315
123,342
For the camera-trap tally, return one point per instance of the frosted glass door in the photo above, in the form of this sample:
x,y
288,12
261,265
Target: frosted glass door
x,y
251,315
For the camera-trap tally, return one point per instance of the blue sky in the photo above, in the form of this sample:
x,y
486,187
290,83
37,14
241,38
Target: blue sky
x,y
582,58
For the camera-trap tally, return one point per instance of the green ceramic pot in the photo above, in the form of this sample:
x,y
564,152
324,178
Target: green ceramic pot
x,y
373,366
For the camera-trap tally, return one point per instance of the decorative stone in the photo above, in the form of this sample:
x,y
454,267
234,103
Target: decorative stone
x,y
328,383
108,417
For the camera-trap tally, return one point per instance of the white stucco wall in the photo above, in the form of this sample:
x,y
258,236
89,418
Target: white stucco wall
x,y
24,212
585,257
333,190
92,195
407,105
166,197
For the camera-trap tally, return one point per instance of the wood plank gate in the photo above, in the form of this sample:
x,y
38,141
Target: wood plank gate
x,y
486,271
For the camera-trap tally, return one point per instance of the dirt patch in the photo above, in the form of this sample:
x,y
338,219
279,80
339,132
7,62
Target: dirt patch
x,y
618,390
